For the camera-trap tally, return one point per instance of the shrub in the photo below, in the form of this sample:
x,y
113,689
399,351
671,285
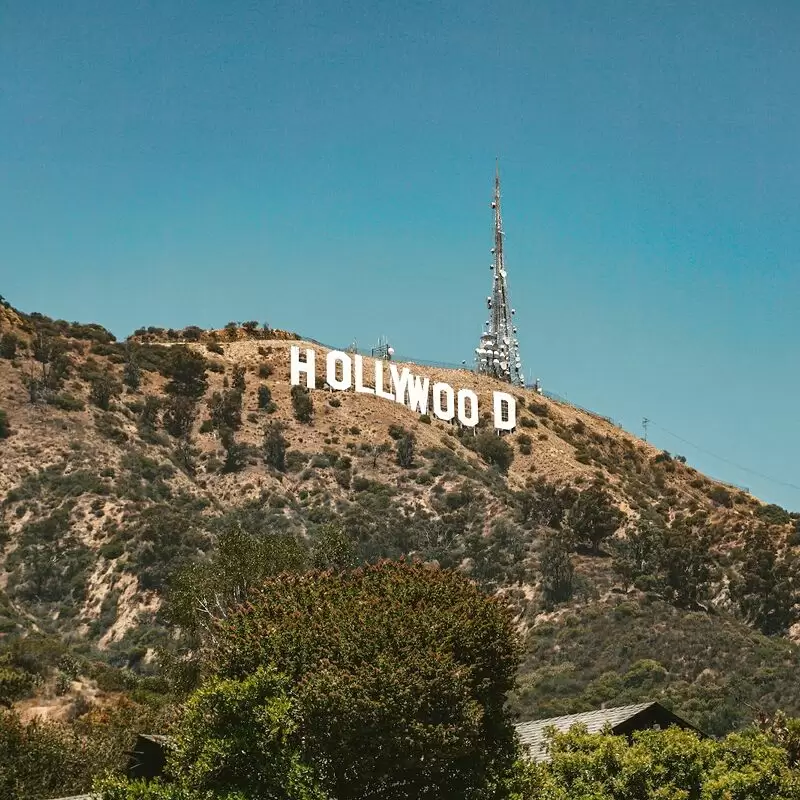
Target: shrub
x,y
719,494
179,415
265,370
405,450
557,569
235,452
494,450
238,381
334,402
8,346
396,431
66,402
187,373
773,514
226,410
302,404
594,518
5,428
215,347
425,419
275,446
264,396
103,388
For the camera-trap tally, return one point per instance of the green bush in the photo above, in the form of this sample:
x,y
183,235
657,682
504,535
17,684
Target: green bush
x,y
275,446
405,450
494,450
264,396
720,495
8,346
302,405
186,370
66,402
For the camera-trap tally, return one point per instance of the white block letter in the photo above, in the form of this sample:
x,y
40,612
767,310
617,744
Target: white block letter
x,y
334,357
400,383
447,411
360,377
472,420
418,394
505,411
297,366
379,381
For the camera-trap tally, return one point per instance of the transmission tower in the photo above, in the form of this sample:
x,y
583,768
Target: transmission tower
x,y
498,352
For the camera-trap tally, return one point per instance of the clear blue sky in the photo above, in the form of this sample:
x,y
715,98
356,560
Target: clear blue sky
x,y
327,167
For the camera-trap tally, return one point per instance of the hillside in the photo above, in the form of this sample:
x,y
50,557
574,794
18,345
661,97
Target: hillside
x,y
633,575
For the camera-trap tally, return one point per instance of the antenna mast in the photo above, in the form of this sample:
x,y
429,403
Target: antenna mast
x,y
498,352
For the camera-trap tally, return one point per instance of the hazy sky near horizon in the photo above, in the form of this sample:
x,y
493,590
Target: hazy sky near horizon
x,y
327,167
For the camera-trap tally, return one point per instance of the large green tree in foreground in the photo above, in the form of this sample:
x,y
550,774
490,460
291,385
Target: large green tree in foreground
x,y
387,681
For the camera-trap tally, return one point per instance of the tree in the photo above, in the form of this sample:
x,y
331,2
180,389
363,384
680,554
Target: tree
x,y
53,367
668,764
102,389
199,594
179,415
232,330
556,568
5,427
767,585
494,450
8,346
235,452
131,372
333,548
264,396
593,518
226,410
186,454
302,404
639,557
275,446
148,416
405,450
399,676
687,564
544,504
251,326
238,381
186,370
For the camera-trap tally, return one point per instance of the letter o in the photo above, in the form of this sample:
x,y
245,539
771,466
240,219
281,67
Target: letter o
x,y
472,420
447,412
338,357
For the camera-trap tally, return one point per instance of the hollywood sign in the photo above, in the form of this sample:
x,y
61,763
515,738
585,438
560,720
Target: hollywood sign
x,y
344,372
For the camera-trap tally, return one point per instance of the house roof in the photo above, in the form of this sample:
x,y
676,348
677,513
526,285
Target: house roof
x,y
79,797
534,738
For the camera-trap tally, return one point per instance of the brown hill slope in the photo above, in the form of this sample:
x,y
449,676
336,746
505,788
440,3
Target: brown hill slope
x,y
100,503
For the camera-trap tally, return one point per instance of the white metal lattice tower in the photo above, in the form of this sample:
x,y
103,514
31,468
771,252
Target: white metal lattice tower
x,y
498,351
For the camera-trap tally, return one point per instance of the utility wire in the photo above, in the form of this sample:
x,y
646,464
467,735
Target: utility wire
x,y
726,460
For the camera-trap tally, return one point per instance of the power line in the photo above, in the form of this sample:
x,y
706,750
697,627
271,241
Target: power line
x,y
725,460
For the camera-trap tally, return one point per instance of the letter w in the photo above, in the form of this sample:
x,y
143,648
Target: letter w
x,y
418,394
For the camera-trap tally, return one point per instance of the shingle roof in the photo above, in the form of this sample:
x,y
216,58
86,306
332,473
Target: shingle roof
x,y
533,737
79,797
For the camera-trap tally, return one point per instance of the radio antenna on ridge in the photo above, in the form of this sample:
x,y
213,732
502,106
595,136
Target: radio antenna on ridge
x,y
498,352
